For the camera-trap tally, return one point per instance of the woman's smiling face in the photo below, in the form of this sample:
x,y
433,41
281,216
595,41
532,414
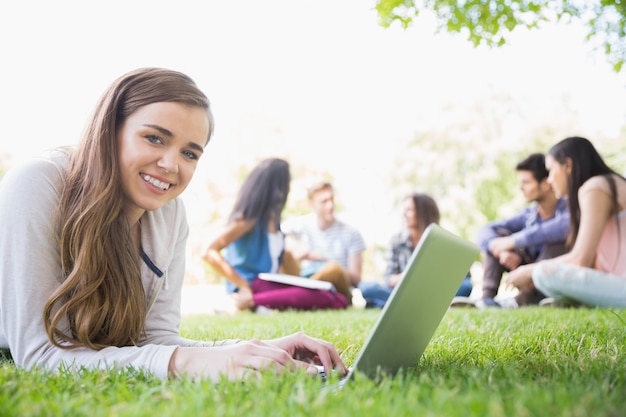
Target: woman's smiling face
x,y
159,147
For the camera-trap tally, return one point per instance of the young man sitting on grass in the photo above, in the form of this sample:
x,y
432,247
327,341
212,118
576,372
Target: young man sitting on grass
x,y
536,232
323,245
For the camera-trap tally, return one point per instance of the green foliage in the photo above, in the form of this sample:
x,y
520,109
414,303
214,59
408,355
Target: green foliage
x,y
491,21
613,153
499,190
532,361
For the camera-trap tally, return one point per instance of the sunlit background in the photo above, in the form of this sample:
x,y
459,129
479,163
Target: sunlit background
x,y
319,83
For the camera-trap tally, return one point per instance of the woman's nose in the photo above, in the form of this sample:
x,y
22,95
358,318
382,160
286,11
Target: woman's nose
x,y
169,163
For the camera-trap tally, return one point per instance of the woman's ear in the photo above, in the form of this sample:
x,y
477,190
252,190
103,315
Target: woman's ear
x,y
568,165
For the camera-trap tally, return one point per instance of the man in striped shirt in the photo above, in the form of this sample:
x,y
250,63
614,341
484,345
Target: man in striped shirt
x,y
325,241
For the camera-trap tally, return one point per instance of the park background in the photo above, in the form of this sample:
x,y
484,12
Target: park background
x,y
380,112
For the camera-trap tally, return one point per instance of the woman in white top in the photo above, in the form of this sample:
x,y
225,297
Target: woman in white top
x,y
594,271
93,243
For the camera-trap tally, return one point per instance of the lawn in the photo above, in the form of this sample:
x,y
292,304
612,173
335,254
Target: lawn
x,y
529,362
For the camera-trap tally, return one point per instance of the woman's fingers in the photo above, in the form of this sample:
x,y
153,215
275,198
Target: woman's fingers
x,y
260,355
327,354
251,358
304,347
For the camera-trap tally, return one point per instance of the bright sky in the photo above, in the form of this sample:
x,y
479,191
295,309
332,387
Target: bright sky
x,y
318,82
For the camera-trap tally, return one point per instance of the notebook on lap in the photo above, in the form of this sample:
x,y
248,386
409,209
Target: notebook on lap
x,y
417,304
297,281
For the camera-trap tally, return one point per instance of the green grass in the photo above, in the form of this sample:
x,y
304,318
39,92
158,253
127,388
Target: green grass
x,y
530,362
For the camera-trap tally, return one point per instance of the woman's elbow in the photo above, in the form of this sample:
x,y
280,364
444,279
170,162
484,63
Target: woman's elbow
x,y
211,256
585,260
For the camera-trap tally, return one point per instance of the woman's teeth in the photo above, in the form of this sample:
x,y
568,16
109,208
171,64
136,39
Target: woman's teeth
x,y
158,184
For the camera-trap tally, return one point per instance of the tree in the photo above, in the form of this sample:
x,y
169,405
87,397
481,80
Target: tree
x,y
490,22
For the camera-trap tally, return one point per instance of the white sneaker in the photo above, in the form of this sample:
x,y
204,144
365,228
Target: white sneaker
x,y
264,311
547,302
565,303
509,303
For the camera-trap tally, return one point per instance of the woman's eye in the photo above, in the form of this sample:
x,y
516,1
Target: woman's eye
x,y
154,139
190,155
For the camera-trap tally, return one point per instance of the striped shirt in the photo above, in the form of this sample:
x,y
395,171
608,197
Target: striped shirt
x,y
336,243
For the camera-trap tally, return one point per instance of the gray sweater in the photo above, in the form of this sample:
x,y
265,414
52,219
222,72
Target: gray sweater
x,y
30,270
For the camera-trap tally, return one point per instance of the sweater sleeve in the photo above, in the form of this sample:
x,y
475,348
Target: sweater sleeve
x,y
499,228
30,272
553,230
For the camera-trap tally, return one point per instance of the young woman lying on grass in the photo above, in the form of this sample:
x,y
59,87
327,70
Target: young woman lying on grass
x,y
93,243
594,271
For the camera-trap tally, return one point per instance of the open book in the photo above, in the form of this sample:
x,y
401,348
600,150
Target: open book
x,y
297,281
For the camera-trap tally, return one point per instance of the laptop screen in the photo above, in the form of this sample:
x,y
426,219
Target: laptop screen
x,y
417,304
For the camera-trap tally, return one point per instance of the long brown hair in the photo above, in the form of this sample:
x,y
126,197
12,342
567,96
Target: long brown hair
x,y
102,295
426,210
264,192
586,163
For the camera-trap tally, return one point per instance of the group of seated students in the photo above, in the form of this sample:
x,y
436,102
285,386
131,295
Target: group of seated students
x,y
253,242
569,191
323,247
568,248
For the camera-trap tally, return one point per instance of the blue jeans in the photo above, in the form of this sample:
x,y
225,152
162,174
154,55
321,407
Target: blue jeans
x,y
466,287
376,294
589,286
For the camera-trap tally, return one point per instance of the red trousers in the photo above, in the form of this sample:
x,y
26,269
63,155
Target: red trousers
x,y
283,297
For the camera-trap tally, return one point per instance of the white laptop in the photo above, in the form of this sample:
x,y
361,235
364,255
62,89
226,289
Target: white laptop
x,y
417,304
